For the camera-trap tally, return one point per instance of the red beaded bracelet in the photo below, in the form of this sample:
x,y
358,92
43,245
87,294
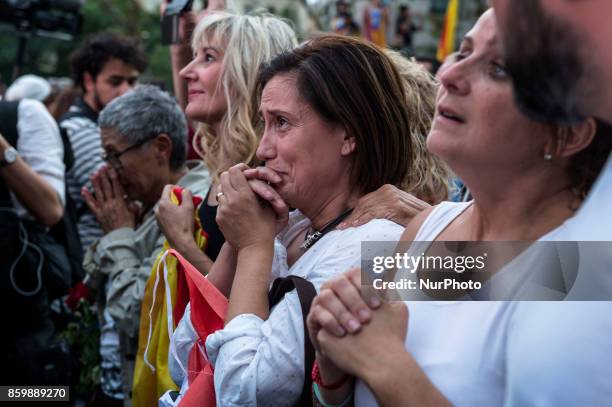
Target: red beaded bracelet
x,y
316,378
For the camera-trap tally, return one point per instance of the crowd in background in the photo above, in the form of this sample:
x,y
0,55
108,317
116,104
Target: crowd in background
x,y
204,248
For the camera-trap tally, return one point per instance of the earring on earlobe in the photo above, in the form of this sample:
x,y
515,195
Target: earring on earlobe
x,y
547,157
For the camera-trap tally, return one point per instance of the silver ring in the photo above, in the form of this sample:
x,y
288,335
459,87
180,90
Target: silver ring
x,y
219,195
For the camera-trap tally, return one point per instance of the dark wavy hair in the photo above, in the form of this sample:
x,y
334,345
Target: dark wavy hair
x,y
353,83
98,50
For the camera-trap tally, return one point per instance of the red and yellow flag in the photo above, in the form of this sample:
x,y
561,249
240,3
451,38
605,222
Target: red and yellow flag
x,y
151,373
449,29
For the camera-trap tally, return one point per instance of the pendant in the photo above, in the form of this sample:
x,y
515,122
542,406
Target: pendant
x,y
310,240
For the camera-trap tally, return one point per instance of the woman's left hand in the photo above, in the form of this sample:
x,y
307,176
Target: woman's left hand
x,y
243,218
381,338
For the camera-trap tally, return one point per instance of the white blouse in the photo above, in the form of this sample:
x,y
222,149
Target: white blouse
x,y
261,363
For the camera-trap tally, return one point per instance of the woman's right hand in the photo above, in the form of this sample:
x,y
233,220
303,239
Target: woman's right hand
x,y
176,221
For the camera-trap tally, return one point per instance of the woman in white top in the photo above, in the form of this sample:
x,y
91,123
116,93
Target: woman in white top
x,y
454,352
327,142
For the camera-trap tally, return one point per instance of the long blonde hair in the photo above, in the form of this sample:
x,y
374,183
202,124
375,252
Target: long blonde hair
x,y
429,178
247,41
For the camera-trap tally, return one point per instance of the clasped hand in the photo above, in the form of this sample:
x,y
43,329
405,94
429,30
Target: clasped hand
x,y
250,211
353,333
108,203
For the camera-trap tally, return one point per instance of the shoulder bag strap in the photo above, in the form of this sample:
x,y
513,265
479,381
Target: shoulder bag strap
x,y
306,293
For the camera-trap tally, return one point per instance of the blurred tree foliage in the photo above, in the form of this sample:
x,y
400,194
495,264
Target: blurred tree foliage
x,y
50,57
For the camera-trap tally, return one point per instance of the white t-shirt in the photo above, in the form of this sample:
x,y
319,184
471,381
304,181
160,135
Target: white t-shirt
x,y
460,345
560,353
528,353
461,348
40,146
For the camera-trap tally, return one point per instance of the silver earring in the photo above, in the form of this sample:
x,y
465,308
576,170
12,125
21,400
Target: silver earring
x,y
547,157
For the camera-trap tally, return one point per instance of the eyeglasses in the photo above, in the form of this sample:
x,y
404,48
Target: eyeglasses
x,y
114,158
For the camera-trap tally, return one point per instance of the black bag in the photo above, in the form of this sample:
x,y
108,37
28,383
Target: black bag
x,y
306,293
33,262
37,257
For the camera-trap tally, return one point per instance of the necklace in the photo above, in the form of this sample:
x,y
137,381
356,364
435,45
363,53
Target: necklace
x,y
311,238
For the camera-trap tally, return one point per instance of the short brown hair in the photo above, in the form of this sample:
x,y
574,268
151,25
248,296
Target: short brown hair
x,y
353,83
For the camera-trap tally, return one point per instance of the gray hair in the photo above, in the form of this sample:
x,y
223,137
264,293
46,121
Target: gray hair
x,y
145,112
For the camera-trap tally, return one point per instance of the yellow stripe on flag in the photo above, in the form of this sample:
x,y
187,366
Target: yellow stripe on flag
x,y
449,29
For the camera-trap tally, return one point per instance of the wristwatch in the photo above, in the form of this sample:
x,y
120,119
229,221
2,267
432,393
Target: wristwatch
x,y
10,156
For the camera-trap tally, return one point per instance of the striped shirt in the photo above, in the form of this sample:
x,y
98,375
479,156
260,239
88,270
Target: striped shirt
x,y
83,132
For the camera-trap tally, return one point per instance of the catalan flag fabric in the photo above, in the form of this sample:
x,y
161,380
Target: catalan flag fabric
x,y
208,311
449,30
167,289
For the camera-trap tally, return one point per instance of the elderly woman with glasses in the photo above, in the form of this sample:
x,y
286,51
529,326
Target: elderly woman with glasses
x,y
144,135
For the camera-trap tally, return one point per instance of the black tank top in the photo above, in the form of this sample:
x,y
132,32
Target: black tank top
x,y
208,215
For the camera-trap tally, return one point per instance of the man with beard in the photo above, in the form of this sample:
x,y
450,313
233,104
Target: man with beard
x,y
559,55
105,67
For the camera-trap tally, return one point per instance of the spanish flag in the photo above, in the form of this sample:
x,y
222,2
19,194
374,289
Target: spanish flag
x,y
447,37
165,299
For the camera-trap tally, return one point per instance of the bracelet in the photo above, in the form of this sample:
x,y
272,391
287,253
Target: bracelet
x,y
316,378
321,402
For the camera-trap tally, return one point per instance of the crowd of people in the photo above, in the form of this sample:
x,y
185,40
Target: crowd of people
x,y
220,233
375,24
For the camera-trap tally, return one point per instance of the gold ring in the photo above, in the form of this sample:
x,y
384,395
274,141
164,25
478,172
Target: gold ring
x,y
219,195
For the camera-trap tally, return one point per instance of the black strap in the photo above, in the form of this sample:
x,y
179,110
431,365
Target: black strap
x,y
311,238
68,151
8,127
306,292
80,108
8,124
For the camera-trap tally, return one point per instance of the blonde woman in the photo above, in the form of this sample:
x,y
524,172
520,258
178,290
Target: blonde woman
x,y
221,79
431,181
228,51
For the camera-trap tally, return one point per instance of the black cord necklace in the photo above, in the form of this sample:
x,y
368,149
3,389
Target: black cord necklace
x,y
311,238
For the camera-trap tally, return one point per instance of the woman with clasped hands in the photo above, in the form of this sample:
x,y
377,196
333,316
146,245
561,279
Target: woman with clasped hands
x,y
526,179
320,134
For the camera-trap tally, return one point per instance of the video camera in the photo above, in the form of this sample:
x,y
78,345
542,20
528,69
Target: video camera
x,y
51,18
